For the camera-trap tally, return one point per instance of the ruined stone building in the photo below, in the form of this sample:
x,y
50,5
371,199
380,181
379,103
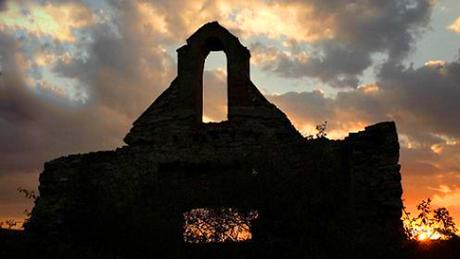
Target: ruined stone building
x,y
312,196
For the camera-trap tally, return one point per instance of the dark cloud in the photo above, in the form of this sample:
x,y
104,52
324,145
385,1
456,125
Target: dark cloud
x,y
306,107
125,68
424,101
430,94
123,71
362,29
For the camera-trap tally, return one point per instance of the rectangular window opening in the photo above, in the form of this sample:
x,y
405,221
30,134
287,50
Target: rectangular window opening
x,y
204,225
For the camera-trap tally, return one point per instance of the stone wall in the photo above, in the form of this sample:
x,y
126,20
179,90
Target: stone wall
x,y
314,197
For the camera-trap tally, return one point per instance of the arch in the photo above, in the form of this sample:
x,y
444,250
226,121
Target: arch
x,y
177,113
191,60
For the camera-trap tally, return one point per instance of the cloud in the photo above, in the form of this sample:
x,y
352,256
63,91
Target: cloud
x,y
435,63
273,19
455,26
112,65
361,30
122,70
333,41
427,96
57,21
450,199
424,102
423,105
296,21
442,189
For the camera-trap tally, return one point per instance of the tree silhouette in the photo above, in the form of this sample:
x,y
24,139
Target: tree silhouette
x,y
12,223
429,223
217,225
320,131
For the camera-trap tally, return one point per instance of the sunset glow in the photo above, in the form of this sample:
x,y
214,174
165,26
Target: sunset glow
x,y
74,75
425,233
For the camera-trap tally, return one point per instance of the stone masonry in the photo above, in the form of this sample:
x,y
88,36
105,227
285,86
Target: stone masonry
x,y
314,197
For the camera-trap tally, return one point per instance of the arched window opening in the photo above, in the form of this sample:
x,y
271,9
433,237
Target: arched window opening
x,y
215,106
203,225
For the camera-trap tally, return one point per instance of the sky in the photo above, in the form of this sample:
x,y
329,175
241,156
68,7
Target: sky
x,y
74,75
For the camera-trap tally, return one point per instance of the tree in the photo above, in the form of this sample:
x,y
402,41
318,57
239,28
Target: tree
x,y
429,223
445,222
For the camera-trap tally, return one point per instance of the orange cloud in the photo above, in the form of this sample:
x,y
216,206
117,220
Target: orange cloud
x,y
442,188
151,19
369,89
294,20
437,149
448,197
450,200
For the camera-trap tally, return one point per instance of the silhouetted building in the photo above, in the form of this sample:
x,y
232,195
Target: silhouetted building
x,y
313,197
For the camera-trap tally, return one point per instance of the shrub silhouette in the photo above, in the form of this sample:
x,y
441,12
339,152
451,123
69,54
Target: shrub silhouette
x,y
12,223
320,131
429,223
8,224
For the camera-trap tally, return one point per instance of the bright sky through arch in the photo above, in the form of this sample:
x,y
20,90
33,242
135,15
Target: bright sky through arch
x,y
215,87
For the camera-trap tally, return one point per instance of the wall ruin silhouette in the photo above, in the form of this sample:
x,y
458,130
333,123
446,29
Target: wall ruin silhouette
x,y
313,196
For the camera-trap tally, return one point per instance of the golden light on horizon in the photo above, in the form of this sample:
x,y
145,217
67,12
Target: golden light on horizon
x,y
428,233
14,223
428,224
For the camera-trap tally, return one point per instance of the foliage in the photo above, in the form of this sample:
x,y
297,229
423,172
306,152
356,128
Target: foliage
x,y
320,131
12,223
29,194
217,225
428,224
8,224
